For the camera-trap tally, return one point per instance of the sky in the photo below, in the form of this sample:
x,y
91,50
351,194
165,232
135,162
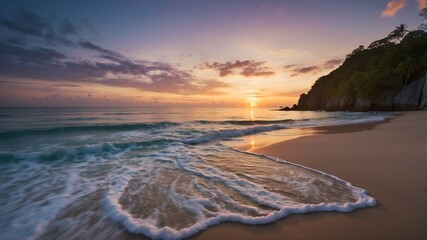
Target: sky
x,y
182,53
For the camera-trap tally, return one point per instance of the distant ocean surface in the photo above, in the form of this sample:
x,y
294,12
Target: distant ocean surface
x,y
101,173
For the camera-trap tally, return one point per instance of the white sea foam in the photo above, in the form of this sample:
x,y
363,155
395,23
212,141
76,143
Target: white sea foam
x,y
148,228
278,206
29,210
223,134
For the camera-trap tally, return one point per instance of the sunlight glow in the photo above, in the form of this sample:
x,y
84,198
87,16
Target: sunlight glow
x,y
252,143
252,102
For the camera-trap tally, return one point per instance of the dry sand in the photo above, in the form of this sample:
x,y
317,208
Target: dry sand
x,y
389,161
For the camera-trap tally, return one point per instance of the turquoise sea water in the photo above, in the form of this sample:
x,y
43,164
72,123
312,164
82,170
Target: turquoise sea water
x,y
163,173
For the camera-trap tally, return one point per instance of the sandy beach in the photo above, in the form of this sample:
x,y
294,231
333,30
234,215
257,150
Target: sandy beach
x,y
388,160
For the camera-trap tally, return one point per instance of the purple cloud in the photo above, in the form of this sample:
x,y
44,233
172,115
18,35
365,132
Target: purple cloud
x,y
247,68
297,70
19,59
47,64
29,24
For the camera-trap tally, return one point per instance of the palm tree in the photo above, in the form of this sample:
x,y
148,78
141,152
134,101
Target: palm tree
x,y
398,33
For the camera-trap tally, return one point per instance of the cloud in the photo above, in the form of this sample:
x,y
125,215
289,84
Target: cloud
x,y
247,68
49,65
422,4
393,7
329,64
21,56
67,28
169,84
30,55
297,70
16,40
255,70
290,66
305,70
29,24
111,55
67,85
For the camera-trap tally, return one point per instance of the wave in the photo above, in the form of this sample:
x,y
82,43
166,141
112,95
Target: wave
x,y
81,152
224,134
248,122
110,127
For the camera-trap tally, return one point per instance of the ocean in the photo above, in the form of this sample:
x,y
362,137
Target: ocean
x,y
102,173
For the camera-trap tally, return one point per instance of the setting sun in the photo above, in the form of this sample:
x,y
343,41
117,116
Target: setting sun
x,y
252,102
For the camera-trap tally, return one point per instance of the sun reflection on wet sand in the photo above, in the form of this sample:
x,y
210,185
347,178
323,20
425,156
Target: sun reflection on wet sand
x,y
252,142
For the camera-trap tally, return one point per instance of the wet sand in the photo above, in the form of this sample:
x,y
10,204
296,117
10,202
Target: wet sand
x,y
389,160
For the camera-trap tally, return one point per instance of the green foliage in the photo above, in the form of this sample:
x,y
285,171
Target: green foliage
x,y
369,84
356,51
386,65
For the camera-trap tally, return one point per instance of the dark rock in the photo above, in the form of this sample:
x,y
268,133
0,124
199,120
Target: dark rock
x,y
340,103
423,102
412,96
362,104
294,107
383,102
309,102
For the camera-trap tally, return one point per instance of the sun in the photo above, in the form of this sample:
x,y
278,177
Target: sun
x,y
252,102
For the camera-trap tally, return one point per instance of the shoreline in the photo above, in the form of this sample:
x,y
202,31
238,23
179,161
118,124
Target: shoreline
x,y
386,159
253,142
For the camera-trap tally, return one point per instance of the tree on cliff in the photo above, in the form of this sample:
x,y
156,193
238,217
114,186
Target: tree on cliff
x,y
393,37
379,43
398,33
359,49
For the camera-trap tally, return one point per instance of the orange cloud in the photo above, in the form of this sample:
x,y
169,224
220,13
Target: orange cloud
x,y
393,7
422,4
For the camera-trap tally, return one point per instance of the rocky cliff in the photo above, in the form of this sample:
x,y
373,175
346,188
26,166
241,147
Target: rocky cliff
x,y
411,97
388,75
